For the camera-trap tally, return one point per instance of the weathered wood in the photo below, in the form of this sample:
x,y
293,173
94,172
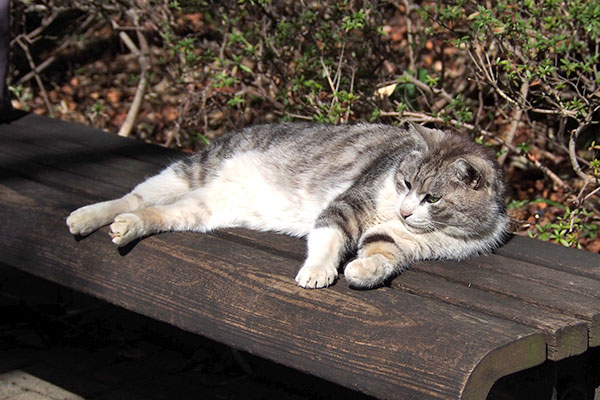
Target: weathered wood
x,y
553,256
442,330
566,336
471,274
41,131
380,342
568,281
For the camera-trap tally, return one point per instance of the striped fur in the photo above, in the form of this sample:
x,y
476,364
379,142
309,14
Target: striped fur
x,y
388,195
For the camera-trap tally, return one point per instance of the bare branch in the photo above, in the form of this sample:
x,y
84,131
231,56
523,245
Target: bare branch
x,y
409,36
144,61
37,76
592,193
426,88
47,62
518,113
573,153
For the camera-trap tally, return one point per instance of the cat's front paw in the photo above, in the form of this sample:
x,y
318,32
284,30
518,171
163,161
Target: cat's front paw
x,y
85,220
368,272
314,277
126,228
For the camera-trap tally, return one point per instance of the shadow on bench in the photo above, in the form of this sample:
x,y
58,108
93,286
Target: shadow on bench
x,y
441,330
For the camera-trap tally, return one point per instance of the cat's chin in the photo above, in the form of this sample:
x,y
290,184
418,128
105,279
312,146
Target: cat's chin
x,y
416,227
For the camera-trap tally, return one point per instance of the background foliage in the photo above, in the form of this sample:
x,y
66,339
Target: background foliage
x,y
520,76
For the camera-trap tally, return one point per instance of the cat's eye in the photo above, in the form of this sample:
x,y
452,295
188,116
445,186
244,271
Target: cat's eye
x,y
432,199
407,184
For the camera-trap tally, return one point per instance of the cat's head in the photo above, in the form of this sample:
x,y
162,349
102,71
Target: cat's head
x,y
454,185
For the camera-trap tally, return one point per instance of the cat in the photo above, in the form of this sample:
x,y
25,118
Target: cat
x,y
389,195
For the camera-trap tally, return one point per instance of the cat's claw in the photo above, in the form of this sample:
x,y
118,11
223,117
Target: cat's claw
x,y
315,277
125,228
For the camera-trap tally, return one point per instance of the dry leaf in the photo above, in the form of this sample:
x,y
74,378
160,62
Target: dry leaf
x,y
386,91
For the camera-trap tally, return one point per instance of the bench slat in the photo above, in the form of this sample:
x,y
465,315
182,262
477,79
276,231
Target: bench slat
x,y
383,341
562,301
554,256
567,281
566,335
567,332
442,330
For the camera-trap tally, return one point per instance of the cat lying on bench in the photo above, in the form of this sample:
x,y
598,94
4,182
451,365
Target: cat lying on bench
x,y
389,195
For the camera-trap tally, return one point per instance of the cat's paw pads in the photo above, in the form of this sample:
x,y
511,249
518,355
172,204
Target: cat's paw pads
x,y
314,277
367,272
84,220
125,228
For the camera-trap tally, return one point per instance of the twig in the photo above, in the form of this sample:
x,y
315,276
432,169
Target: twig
x,y
573,153
488,76
409,37
578,200
425,87
422,117
144,59
47,62
338,72
347,117
331,85
555,178
515,122
37,76
46,21
297,116
590,194
564,112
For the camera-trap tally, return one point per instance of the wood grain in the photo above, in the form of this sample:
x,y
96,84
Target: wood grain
x,y
442,330
247,298
553,256
566,335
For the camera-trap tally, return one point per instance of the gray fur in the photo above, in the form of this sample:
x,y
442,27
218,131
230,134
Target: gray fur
x,y
390,195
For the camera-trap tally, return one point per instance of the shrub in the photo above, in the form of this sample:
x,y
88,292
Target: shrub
x,y
520,76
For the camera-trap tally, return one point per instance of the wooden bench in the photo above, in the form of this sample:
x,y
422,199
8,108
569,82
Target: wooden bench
x,y
441,330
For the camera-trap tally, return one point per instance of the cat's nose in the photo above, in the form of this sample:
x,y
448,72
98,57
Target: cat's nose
x,y
405,213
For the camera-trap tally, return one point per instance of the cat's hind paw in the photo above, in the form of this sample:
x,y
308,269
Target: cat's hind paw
x,y
85,220
125,228
315,277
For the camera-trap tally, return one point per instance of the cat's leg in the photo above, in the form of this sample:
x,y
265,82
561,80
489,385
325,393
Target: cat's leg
x,y
326,247
163,188
336,232
186,214
381,255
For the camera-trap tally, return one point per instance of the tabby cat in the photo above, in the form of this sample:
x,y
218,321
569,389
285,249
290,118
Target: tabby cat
x,y
387,195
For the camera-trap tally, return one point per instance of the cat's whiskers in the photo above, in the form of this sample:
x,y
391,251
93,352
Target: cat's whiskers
x,y
447,224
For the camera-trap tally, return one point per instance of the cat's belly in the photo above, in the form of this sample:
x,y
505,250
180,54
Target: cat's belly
x,y
248,193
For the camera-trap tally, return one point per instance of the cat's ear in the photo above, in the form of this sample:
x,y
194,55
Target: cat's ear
x,y
430,136
468,173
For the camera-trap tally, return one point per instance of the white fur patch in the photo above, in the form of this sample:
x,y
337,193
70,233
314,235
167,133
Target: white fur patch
x,y
246,193
125,228
325,248
388,199
163,188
